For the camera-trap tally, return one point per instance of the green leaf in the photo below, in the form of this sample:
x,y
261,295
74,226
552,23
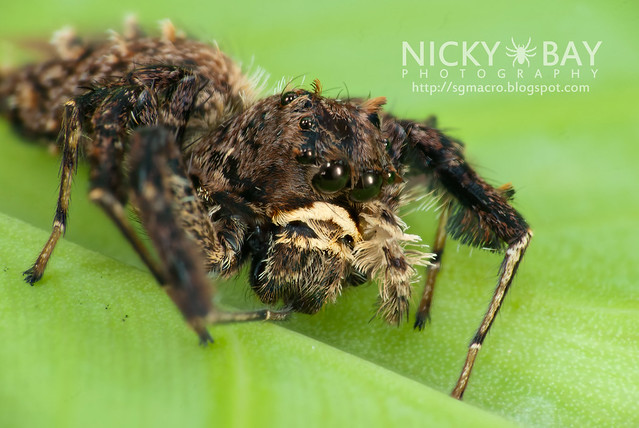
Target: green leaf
x,y
96,342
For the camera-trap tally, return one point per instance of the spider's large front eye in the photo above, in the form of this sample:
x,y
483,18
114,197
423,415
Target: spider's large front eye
x,y
368,186
332,177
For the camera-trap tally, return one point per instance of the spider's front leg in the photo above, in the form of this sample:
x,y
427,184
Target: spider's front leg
x,y
110,109
175,219
478,215
145,96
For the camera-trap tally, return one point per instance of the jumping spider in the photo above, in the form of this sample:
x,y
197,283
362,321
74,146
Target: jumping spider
x,y
303,187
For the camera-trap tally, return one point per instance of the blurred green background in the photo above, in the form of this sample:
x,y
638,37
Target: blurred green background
x,y
97,343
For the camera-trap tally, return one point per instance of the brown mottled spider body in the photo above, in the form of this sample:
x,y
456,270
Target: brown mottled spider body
x,y
304,188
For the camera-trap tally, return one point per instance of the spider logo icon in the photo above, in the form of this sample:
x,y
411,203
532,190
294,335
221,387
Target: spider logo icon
x,y
521,53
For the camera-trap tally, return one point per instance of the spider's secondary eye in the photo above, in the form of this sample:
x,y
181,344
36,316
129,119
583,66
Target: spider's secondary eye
x,y
306,123
390,177
307,155
332,177
288,97
368,186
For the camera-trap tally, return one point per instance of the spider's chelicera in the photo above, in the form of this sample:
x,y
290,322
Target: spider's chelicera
x,y
304,188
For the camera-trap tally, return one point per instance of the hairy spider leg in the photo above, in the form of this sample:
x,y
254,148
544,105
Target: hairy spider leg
x,y
480,216
106,155
423,311
107,151
134,99
156,164
158,180
70,134
509,266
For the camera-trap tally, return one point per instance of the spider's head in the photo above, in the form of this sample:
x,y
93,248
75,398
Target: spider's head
x,y
318,178
338,143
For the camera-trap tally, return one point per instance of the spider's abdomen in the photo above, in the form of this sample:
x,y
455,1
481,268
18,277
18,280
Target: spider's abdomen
x,y
33,96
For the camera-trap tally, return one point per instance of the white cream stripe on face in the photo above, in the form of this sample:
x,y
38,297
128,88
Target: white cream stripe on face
x,y
320,211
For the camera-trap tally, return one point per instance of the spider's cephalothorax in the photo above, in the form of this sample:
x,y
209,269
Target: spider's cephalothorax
x,y
304,188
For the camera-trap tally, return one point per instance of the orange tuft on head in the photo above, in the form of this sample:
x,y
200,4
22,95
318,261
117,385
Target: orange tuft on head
x,y
373,105
317,87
